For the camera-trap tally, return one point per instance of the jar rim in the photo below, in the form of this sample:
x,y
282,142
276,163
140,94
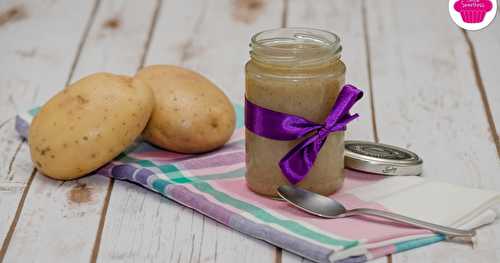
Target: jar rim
x,y
289,45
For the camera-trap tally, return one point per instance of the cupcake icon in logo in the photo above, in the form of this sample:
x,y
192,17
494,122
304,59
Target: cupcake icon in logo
x,y
472,14
473,11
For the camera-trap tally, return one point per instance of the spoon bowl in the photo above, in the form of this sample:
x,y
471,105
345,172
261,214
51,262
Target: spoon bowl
x,y
312,203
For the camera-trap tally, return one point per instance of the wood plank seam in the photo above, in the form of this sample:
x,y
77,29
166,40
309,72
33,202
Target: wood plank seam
x,y
185,51
202,238
279,255
369,70
284,15
85,34
12,228
10,175
370,81
5,122
216,248
9,169
482,91
102,220
152,29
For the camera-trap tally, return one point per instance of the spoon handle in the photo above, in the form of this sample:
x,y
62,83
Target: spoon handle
x,y
448,231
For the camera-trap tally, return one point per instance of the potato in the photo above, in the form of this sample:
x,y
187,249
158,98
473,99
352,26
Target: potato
x,y
191,115
88,124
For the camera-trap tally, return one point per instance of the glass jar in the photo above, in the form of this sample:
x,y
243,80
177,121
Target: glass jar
x,y
296,71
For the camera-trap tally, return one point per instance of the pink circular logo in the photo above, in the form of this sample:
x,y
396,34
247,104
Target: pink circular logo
x,y
473,14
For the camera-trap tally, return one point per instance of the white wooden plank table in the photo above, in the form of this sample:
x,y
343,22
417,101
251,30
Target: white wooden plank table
x,y
430,87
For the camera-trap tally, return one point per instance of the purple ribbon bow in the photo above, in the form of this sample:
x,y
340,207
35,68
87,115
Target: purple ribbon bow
x,y
285,127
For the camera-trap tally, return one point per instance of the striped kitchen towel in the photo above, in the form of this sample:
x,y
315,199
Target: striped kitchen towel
x,y
214,185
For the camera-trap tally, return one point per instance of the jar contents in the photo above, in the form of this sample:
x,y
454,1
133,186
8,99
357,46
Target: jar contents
x,y
295,71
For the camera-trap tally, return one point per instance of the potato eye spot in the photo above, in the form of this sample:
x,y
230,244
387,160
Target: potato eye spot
x,y
214,124
81,99
46,150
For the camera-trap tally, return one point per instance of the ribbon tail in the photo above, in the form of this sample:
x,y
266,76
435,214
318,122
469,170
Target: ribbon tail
x,y
297,162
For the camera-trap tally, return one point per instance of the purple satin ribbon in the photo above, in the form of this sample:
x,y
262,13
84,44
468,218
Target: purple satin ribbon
x,y
285,127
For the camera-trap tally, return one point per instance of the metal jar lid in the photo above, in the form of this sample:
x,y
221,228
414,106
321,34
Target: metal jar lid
x,y
381,159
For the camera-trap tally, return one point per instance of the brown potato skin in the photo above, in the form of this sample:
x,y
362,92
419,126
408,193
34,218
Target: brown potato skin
x,y
191,115
87,124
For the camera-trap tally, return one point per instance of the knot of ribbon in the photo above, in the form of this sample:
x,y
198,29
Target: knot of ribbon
x,y
286,127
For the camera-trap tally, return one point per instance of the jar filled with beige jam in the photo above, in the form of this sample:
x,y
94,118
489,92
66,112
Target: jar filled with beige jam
x,y
295,71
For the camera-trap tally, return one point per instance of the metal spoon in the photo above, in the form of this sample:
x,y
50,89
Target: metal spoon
x,y
329,208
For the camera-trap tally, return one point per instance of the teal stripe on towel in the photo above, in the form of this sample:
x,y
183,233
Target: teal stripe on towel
x,y
411,244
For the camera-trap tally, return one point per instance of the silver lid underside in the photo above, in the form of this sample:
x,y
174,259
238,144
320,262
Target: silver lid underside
x,y
381,158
